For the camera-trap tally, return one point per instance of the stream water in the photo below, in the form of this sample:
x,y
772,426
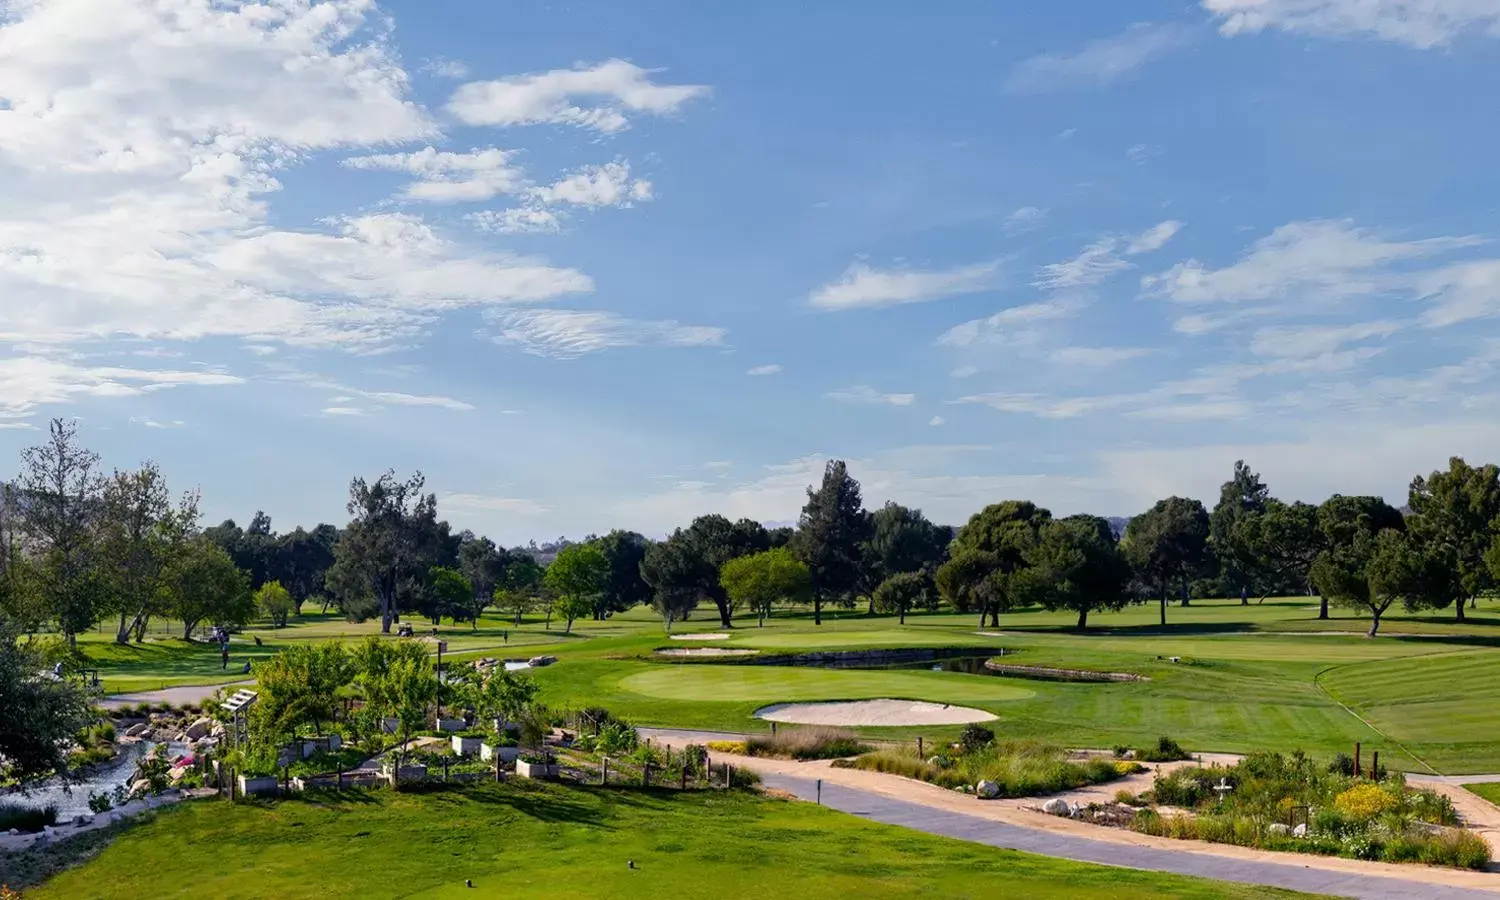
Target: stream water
x,y
72,797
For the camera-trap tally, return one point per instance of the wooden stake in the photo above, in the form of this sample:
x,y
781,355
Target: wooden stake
x,y
1358,770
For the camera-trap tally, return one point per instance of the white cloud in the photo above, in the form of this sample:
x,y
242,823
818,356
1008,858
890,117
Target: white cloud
x,y
772,369
865,394
1140,153
566,334
1097,263
442,67
446,177
1420,23
1154,238
140,142
597,97
862,287
1001,329
517,220
1045,407
1300,342
935,421
1099,62
400,399
1096,357
465,505
344,411
1027,218
606,185
1302,261
1461,293
964,372
148,422
27,382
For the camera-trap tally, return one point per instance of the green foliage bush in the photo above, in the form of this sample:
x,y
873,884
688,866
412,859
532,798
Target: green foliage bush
x,y
1166,750
1020,768
1353,818
975,737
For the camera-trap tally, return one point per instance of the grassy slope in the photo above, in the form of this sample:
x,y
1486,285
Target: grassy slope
x,y
1489,791
529,840
1250,679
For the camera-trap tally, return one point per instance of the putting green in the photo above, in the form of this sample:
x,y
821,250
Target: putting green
x,y
792,683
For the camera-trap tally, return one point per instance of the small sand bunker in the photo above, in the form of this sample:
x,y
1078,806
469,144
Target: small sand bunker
x,y
872,712
704,636
706,651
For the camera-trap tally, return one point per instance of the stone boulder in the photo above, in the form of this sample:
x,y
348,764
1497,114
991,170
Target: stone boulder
x,y
987,790
1300,831
1057,806
140,787
198,729
137,729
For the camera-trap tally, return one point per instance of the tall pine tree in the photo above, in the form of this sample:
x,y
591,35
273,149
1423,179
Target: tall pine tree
x,y
832,528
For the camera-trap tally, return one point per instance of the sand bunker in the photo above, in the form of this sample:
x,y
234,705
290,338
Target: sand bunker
x,y
706,651
706,636
872,712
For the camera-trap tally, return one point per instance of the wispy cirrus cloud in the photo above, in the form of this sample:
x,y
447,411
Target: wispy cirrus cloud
x,y
866,395
1101,61
601,97
567,334
1424,24
863,287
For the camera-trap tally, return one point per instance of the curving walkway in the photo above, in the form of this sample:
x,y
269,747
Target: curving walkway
x,y
1260,869
1019,825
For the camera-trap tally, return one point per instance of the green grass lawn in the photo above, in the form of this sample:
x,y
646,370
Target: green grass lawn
x,y
1251,677
1488,790
549,841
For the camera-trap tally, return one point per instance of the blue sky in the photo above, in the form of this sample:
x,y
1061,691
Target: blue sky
x,y
617,265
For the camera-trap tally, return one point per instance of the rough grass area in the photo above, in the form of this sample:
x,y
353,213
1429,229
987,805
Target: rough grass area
x,y
550,841
1020,768
813,742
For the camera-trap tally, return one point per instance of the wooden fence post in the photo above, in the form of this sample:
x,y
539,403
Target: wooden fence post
x,y
919,746
1358,769
604,770
1375,765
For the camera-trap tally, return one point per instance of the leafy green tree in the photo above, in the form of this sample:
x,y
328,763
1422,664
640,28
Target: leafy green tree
x,y
1005,532
577,577
688,562
1371,570
519,587
298,687
761,580
205,585
451,595
902,592
1342,522
1281,544
38,715
60,492
970,580
1077,566
1242,498
624,588
390,542
1168,544
901,540
406,691
300,560
830,533
141,531
1455,515
275,603
498,694
483,564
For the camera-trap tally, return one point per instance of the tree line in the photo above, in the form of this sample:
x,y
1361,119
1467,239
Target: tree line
x,y
80,547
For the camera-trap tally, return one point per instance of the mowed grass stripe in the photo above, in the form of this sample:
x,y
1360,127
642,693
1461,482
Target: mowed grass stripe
x,y
787,683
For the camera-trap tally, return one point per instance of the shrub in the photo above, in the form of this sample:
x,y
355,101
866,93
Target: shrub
x,y
806,743
26,818
903,762
1365,801
99,802
1020,768
1332,823
975,737
735,747
1166,750
1121,751
1125,797
1342,764
616,737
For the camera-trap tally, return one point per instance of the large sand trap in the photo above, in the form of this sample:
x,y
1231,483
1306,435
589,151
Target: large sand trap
x,y
706,651
706,636
872,712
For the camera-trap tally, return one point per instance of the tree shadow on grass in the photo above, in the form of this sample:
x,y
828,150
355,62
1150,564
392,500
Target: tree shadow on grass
x,y
1168,630
545,806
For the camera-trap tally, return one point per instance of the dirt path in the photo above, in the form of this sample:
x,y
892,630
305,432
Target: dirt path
x,y
185,695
